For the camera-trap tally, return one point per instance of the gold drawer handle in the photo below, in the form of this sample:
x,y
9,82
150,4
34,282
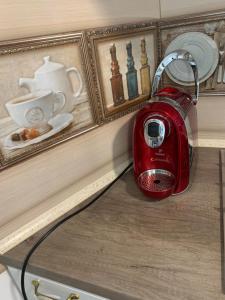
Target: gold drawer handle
x,y
73,297
36,285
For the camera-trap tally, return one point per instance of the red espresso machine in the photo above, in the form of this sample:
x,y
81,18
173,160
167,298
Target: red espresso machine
x,y
165,131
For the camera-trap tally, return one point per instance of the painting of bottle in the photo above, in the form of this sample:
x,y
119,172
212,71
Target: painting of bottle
x,y
145,70
131,75
116,79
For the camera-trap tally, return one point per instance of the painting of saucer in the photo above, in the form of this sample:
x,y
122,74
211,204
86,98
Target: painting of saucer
x,y
43,81
57,124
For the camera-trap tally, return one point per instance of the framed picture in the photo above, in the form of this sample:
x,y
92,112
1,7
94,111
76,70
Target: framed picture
x,y
123,60
205,35
45,96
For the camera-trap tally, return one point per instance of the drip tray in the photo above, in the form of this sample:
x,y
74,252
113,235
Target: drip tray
x,y
156,180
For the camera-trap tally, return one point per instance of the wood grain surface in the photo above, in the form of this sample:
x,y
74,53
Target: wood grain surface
x,y
30,222
222,163
126,247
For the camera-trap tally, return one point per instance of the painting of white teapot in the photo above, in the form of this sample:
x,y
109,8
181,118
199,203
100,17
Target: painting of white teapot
x,y
54,76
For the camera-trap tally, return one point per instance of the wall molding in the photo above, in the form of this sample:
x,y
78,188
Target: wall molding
x,y
211,139
209,143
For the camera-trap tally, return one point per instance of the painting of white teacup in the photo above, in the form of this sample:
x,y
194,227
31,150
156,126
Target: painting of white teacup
x,y
34,110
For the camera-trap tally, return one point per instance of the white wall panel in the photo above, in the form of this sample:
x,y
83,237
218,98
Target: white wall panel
x,y
171,8
22,18
8,290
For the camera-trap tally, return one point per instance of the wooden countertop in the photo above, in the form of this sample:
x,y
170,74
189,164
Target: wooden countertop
x,y
125,247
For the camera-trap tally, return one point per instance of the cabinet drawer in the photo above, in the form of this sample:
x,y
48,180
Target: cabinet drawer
x,y
50,288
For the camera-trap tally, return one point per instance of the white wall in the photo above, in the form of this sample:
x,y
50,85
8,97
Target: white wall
x,y
8,290
170,8
22,18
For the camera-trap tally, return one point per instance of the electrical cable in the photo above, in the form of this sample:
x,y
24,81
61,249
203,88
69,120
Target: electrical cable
x,y
60,222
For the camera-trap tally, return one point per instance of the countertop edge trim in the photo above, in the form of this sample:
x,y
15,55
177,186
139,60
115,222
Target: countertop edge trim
x,y
217,143
30,228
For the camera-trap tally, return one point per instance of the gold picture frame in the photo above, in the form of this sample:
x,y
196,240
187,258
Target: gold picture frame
x,y
104,44
208,23
21,58
109,59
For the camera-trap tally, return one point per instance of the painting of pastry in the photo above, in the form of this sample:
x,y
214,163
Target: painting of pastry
x,y
43,99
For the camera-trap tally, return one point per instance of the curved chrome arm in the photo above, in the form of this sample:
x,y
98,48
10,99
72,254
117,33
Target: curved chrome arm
x,y
176,55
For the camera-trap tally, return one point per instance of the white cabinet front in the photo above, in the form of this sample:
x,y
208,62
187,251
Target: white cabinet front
x,y
8,290
39,288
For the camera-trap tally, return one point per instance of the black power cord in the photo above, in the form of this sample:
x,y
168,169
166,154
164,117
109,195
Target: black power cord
x,y
53,228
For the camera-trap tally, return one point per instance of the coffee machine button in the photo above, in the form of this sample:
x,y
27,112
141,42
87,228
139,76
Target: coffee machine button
x,y
153,129
154,132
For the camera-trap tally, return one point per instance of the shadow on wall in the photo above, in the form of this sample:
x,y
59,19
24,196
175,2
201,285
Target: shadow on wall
x,y
124,136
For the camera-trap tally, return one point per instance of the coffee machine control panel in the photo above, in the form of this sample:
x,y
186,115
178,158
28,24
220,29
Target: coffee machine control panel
x,y
154,132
